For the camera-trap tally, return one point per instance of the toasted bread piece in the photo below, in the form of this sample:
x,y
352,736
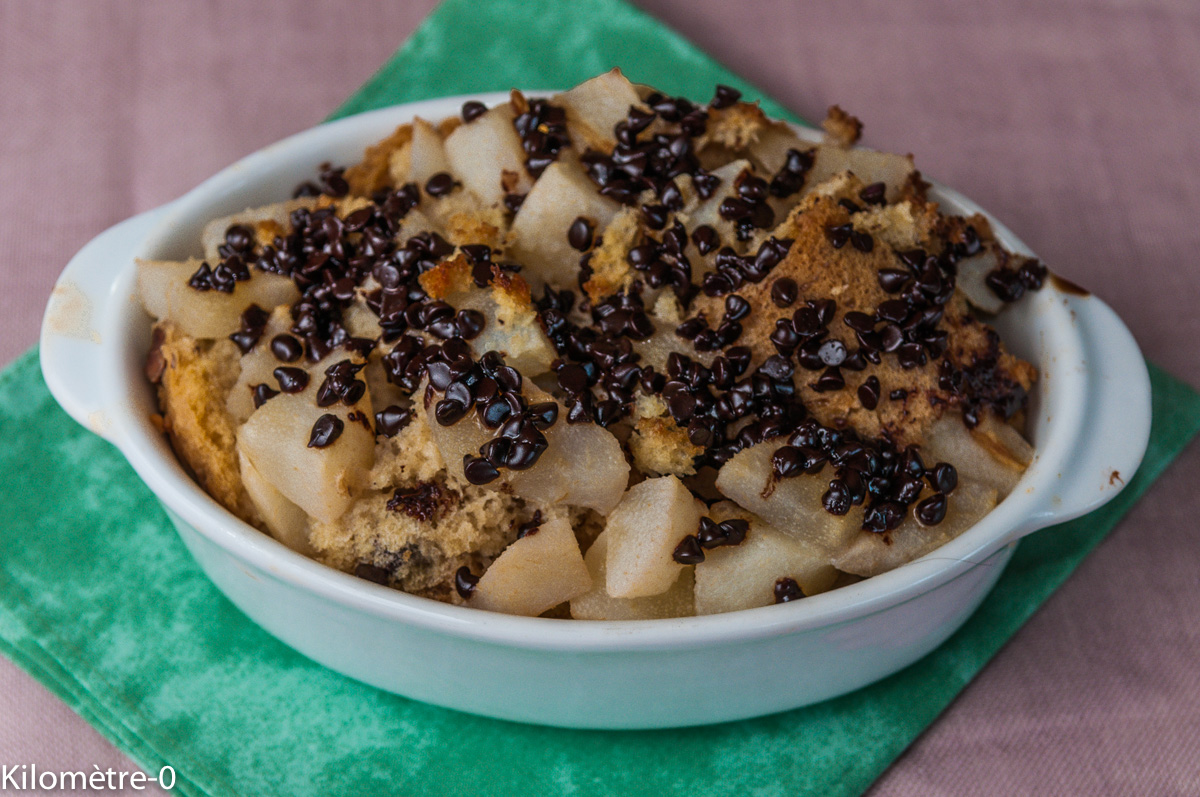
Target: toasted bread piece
x,y
196,378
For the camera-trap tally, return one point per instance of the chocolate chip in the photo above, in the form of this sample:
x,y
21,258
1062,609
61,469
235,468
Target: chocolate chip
x,y
784,292
736,308
469,323
464,580
513,202
391,420
326,429
291,380
374,573
724,97
449,412
688,551
832,352
787,590
261,394
943,477
440,184
873,194
893,280
655,216
838,235
830,380
882,517
932,510
868,392
862,241
286,348
478,470
580,234
705,238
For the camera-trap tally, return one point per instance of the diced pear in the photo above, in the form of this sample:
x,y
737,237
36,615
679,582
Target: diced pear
x,y
972,281
870,554
258,366
457,440
582,466
769,151
594,108
321,481
993,453
164,291
266,222
562,194
643,532
867,165
792,505
428,154
286,521
535,573
743,576
482,150
597,604
708,211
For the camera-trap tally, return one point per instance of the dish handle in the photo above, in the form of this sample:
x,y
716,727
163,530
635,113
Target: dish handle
x,y
1115,422
76,320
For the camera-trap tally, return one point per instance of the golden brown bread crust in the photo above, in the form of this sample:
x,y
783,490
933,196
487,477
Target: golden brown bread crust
x,y
371,173
196,377
848,276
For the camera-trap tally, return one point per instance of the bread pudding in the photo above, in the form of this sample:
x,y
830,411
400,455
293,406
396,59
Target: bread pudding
x,y
608,354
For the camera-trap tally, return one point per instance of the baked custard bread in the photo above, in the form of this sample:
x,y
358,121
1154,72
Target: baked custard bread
x,y
606,355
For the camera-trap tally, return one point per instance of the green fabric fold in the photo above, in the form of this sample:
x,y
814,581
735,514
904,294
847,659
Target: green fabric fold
x,y
100,601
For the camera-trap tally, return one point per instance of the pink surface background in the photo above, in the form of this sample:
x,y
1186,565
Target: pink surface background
x,y
1075,122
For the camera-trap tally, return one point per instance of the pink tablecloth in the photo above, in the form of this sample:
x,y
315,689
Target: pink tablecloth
x,y
1077,123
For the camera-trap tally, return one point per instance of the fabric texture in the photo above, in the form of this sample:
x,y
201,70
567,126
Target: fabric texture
x,y
100,601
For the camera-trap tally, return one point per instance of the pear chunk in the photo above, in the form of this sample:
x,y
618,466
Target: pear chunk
x,y
792,505
535,573
427,156
993,453
871,554
867,165
596,604
265,222
583,464
743,576
485,154
321,481
594,108
163,288
286,521
258,366
562,194
643,531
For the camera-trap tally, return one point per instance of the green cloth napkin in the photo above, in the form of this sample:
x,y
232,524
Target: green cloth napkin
x,y
100,601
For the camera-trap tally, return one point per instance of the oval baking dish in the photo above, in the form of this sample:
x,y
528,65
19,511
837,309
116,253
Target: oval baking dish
x,y
1089,418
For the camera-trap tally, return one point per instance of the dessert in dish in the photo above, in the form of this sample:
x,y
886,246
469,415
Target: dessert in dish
x,y
607,355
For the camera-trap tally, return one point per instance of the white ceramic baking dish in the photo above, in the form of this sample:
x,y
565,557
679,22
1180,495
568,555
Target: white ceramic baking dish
x,y
1089,420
